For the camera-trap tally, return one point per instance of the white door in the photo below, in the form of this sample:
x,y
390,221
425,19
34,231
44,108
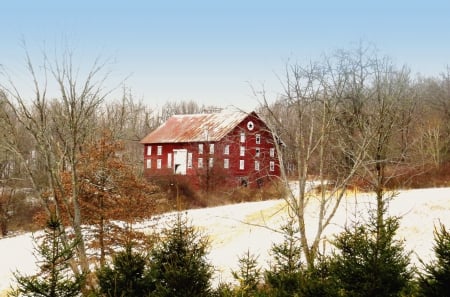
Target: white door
x,y
179,161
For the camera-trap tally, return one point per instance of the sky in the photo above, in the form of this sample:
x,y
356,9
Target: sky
x,y
218,52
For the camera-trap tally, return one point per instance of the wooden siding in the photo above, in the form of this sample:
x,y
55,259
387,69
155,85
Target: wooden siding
x,y
230,148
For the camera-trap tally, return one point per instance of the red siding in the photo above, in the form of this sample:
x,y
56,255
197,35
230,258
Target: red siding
x,y
218,175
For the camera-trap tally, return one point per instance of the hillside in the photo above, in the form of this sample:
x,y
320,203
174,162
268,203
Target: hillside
x,y
235,228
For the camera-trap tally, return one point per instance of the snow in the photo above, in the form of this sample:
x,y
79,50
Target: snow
x,y
234,229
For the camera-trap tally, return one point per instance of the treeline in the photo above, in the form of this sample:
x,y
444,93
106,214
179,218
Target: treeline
x,y
363,263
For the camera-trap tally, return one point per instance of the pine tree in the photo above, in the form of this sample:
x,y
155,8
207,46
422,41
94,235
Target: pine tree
x,y
178,265
435,280
370,262
284,276
126,277
289,277
54,278
248,275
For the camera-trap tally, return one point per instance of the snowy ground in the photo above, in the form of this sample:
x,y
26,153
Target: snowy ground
x,y
232,229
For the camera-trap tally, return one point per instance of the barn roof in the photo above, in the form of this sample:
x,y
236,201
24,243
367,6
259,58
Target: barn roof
x,y
196,127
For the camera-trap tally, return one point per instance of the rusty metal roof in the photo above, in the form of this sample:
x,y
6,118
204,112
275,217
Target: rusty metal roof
x,y
196,127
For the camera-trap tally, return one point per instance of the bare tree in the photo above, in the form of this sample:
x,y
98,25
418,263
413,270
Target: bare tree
x,y
59,128
311,108
388,113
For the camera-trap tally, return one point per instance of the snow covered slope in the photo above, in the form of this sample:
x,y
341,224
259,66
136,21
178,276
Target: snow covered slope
x,y
234,229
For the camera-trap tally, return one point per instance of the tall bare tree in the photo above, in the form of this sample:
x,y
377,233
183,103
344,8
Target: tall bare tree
x,y
311,108
59,129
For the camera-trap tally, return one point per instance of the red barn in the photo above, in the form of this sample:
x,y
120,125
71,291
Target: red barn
x,y
211,150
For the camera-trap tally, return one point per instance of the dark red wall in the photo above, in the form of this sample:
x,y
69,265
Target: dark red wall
x,y
218,175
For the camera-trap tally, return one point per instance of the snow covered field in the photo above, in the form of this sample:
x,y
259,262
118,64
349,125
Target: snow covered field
x,y
233,229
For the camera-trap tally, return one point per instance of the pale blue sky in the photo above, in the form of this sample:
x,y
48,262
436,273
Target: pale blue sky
x,y
210,51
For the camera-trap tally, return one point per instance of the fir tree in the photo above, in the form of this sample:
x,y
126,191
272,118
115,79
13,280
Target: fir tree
x,y
284,276
248,275
435,281
289,277
178,265
54,278
370,262
126,277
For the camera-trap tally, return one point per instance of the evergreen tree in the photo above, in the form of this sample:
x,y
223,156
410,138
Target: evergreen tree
x,y
178,265
126,277
370,262
435,281
284,276
248,275
289,277
54,278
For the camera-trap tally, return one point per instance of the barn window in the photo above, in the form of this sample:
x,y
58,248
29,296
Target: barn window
x,y
272,152
242,151
272,166
200,148
241,164
149,163
211,162
149,150
257,152
257,165
226,150
189,160
243,181
158,163
169,160
159,150
211,148
226,163
258,138
242,136
200,163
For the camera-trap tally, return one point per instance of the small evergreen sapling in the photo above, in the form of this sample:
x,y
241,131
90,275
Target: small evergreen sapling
x,y
126,277
178,265
369,262
284,277
54,278
248,275
435,280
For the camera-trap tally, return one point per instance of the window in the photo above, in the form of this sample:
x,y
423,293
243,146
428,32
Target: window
x,y
200,163
149,150
211,162
169,160
159,150
149,163
272,152
226,163
241,164
257,152
257,165
189,160
242,136
272,166
200,148
242,151
211,148
158,163
226,150
258,138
